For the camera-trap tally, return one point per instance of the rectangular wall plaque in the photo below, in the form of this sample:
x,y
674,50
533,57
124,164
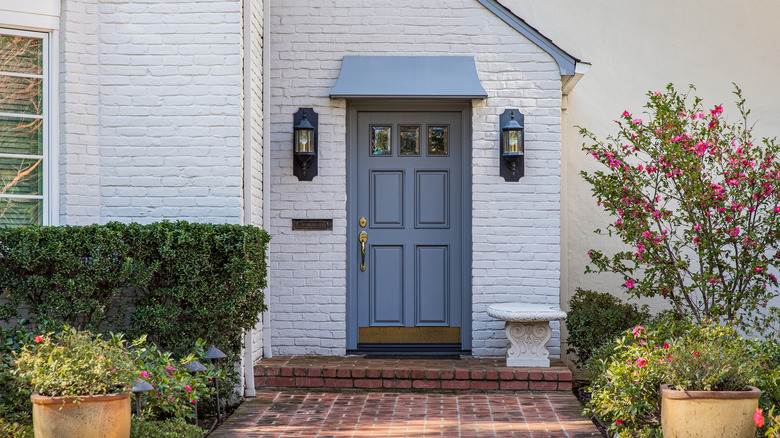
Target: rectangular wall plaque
x,y
312,224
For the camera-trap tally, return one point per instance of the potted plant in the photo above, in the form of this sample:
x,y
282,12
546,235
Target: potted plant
x,y
81,384
707,390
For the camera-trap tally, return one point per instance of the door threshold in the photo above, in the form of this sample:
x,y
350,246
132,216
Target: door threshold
x,y
410,351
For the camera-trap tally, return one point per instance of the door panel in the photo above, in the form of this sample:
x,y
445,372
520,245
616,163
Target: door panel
x,y
387,199
432,285
432,194
387,300
409,190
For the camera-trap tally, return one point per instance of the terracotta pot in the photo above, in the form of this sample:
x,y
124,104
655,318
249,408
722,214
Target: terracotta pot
x,y
95,416
708,414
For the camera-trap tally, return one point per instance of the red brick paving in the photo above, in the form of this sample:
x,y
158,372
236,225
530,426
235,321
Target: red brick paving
x,y
356,372
409,414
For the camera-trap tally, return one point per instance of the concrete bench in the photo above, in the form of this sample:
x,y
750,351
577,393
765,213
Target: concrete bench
x,y
528,330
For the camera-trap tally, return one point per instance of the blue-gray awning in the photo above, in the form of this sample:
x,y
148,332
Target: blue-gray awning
x,y
408,77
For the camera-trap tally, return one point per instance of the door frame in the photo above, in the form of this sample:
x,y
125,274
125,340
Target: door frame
x,y
407,105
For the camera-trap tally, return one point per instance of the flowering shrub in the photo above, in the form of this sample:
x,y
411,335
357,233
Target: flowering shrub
x,y
175,388
74,363
697,200
710,358
627,377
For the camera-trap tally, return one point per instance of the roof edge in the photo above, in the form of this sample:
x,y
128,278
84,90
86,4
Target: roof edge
x,y
567,64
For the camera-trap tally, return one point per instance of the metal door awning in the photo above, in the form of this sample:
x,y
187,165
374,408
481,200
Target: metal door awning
x,y
449,77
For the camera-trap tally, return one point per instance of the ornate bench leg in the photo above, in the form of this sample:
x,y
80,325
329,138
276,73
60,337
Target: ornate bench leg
x,y
528,344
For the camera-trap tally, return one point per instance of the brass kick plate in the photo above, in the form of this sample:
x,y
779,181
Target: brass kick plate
x,y
409,335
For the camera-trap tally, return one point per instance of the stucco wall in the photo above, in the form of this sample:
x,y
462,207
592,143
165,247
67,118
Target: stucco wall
x,y
636,47
515,225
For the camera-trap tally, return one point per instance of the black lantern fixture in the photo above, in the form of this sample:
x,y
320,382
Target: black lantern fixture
x,y
305,144
212,354
512,157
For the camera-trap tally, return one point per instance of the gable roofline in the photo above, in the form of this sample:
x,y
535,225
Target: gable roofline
x,y
567,64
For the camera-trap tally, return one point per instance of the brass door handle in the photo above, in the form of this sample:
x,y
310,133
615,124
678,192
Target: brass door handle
x,y
363,238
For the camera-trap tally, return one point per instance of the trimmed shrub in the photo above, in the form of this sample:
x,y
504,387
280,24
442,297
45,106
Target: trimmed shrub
x,y
595,318
173,281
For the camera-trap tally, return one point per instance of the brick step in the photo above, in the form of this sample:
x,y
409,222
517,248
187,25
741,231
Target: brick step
x,y
356,372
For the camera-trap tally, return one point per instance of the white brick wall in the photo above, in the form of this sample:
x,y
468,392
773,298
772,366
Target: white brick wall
x,y
80,125
516,229
170,110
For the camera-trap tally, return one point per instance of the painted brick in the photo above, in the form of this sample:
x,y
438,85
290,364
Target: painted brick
x,y
542,386
309,382
514,259
396,384
484,385
455,384
368,383
513,386
426,384
280,381
461,374
338,383
564,386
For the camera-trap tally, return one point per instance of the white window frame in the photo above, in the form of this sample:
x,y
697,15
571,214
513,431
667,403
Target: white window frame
x,y
50,116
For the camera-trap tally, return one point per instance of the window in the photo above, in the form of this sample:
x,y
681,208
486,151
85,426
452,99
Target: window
x,y
24,135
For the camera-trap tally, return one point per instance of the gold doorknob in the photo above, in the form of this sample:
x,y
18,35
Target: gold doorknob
x,y
363,238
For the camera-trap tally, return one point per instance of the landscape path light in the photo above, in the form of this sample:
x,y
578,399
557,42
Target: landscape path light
x,y
212,354
195,367
139,388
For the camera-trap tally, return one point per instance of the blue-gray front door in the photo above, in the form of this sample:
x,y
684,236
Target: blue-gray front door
x,y
409,201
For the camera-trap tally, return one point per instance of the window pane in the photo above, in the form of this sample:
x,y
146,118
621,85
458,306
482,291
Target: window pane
x,y
380,140
16,212
410,140
21,95
21,176
21,136
437,140
20,54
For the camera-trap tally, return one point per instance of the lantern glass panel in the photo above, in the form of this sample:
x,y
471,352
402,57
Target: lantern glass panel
x,y
304,140
513,141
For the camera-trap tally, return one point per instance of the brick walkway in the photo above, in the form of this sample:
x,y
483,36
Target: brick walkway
x,y
389,414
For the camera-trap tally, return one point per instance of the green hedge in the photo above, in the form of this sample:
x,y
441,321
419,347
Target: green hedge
x,y
596,318
173,281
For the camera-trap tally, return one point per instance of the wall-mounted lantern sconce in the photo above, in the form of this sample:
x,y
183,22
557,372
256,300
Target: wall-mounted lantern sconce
x,y
512,157
305,144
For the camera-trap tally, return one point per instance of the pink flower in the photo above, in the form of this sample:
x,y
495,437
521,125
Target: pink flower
x,y
630,284
656,93
194,401
759,269
777,209
636,121
38,339
641,362
145,374
187,387
638,330
626,114
758,417
734,231
666,345
620,423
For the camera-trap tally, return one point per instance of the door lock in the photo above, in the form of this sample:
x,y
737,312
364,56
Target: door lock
x,y
363,222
